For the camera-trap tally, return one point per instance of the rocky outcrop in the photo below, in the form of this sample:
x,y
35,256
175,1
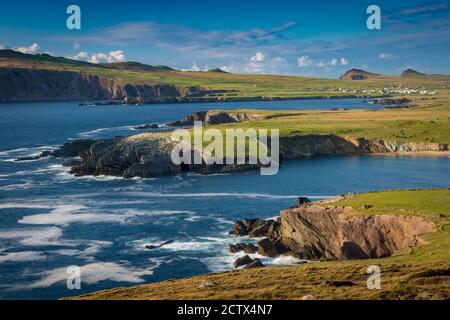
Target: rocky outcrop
x,y
215,117
17,84
147,157
316,231
324,232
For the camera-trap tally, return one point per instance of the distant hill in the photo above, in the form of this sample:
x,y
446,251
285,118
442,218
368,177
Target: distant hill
x,y
8,54
218,70
134,65
412,73
358,74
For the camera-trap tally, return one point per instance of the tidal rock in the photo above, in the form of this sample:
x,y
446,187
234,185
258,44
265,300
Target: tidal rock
x,y
302,200
242,261
254,227
156,246
246,247
256,263
263,228
267,248
147,126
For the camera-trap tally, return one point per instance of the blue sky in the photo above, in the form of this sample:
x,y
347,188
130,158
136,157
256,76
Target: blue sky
x,y
314,38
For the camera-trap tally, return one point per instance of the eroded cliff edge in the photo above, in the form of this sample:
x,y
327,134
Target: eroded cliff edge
x,y
18,84
314,231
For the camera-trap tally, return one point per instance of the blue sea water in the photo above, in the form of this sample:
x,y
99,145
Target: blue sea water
x,y
50,220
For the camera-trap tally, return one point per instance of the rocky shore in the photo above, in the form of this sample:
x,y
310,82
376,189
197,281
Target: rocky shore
x,y
318,231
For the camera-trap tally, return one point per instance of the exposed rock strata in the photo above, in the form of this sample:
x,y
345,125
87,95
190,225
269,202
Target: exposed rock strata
x,y
314,231
18,84
324,232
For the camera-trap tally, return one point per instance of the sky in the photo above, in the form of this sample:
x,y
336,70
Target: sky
x,y
310,38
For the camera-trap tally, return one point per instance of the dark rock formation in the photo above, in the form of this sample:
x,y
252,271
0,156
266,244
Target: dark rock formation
x,y
188,120
147,126
215,117
242,261
267,248
256,263
156,246
246,247
302,200
254,228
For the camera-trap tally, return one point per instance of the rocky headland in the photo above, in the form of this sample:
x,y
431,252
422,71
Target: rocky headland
x,y
149,154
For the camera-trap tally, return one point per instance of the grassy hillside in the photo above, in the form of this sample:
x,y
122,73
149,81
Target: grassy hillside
x,y
427,121
420,272
237,85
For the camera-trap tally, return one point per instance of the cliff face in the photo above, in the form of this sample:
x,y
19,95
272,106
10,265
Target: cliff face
x,y
321,232
295,147
146,158
39,85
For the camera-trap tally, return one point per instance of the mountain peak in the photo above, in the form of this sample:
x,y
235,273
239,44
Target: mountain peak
x,y
218,70
357,74
411,73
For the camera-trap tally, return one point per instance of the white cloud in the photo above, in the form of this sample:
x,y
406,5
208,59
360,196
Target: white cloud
x,y
193,68
113,56
304,61
384,55
31,49
275,65
2,47
258,57
81,56
117,55
229,68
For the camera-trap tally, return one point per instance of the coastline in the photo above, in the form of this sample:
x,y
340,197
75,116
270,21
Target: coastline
x,y
414,271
